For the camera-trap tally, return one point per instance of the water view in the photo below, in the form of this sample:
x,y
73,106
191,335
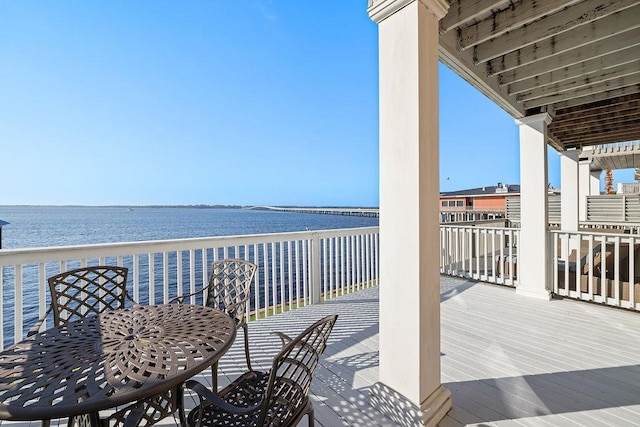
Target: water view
x,y
38,226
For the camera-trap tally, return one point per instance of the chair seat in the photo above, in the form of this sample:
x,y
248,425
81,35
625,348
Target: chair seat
x,y
244,392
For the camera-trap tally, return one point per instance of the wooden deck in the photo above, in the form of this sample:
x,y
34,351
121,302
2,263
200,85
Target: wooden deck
x,y
508,360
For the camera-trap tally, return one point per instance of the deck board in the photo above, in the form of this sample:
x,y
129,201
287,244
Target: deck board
x,y
507,360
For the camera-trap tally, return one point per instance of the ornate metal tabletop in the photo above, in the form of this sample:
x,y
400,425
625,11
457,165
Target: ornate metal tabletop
x,y
110,359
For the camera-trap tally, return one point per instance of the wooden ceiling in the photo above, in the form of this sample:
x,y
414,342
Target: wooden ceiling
x,y
578,60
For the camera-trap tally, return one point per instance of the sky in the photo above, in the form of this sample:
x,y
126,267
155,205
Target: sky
x,y
244,102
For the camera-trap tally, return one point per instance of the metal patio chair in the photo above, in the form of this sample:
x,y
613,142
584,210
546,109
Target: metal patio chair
x,y
93,290
229,289
279,397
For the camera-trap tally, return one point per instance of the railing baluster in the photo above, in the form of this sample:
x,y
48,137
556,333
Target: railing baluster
x,y
282,280
165,278
256,283
192,275
331,242
17,295
136,277
342,264
305,272
152,279
274,290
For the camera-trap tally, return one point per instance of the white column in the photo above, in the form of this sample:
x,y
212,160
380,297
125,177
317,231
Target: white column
x,y
569,201
584,187
409,389
569,190
595,183
533,268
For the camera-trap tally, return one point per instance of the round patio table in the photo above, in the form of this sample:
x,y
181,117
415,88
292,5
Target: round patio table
x,y
110,359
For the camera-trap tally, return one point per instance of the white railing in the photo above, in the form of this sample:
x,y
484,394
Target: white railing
x,y
294,269
603,267
481,253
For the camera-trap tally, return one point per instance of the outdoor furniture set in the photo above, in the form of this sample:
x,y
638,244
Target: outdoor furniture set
x,y
109,361
604,268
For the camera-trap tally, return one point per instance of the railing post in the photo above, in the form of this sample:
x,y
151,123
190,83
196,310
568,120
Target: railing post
x,y
315,285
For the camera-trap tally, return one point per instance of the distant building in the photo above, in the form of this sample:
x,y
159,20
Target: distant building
x,y
475,204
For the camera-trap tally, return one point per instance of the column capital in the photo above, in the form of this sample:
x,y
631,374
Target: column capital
x,y
379,10
571,154
535,119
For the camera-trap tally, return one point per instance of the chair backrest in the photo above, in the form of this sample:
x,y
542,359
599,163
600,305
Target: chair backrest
x,y
230,286
291,374
89,290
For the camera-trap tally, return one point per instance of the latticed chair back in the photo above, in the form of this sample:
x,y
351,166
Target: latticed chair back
x,y
229,290
286,396
87,290
230,287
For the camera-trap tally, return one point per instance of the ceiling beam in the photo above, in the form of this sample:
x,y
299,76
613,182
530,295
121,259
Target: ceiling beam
x,y
462,11
600,87
604,62
571,57
551,26
559,123
608,137
518,14
557,45
597,107
602,96
589,116
585,80
622,122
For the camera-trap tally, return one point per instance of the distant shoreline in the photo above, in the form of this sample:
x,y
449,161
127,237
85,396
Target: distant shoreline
x,y
187,206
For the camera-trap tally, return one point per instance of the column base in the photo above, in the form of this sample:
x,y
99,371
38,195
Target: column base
x,y
533,293
402,411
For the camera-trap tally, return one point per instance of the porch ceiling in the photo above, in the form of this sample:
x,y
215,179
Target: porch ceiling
x,y
579,60
613,156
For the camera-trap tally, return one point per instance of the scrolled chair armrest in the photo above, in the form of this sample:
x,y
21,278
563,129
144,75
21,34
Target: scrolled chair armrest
x,y
286,339
36,328
209,397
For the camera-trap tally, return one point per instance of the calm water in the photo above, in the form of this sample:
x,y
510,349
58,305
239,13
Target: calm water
x,y
60,226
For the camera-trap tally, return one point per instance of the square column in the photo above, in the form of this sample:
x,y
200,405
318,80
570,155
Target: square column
x,y
409,390
569,200
569,190
594,183
533,250
584,187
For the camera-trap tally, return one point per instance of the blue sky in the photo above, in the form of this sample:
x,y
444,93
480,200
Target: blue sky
x,y
215,102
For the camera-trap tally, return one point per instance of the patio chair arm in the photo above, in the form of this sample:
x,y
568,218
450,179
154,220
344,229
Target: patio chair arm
x,y
209,397
286,339
36,328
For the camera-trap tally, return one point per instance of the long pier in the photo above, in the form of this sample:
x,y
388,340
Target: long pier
x,y
367,212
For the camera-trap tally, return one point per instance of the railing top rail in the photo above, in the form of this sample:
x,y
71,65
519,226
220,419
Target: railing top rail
x,y
478,227
61,253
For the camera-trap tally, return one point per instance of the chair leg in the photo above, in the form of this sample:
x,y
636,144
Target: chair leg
x,y
214,377
310,416
180,403
246,346
46,423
